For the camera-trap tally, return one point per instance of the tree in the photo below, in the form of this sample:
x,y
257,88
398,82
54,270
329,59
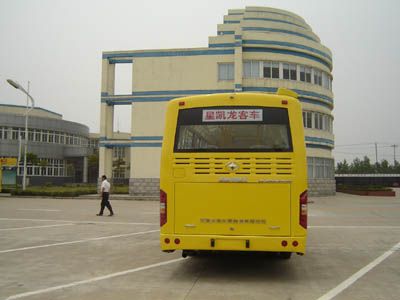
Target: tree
x,y
364,166
31,158
342,167
93,167
383,167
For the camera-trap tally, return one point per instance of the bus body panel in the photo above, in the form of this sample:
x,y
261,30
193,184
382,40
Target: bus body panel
x,y
204,202
232,208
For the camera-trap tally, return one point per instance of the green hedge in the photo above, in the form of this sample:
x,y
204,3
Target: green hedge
x,y
363,187
120,189
65,191
56,191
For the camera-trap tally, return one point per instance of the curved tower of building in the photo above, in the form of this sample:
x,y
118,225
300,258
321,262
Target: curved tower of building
x,y
276,48
256,49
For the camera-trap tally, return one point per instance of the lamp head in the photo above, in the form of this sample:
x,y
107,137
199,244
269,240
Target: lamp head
x,y
14,84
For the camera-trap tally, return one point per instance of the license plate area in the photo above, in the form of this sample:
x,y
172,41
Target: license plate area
x,y
229,244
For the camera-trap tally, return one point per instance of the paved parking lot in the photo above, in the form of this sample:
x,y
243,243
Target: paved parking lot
x,y
59,249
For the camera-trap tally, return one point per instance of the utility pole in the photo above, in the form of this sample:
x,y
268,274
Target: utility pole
x,y
376,153
394,153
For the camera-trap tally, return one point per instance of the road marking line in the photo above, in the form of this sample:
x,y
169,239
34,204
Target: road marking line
x,y
78,241
38,209
75,283
80,222
33,227
353,278
355,226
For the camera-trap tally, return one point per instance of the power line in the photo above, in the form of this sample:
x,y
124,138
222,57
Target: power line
x,y
367,145
350,145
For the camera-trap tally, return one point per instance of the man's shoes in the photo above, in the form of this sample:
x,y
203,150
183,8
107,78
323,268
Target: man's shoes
x,y
99,214
110,215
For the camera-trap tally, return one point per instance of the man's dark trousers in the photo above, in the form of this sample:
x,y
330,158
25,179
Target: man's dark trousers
x,y
105,203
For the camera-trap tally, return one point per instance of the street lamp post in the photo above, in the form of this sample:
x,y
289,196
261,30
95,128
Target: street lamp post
x,y
28,110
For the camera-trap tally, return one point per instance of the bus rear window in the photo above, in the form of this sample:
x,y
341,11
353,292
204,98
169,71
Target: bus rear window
x,y
233,129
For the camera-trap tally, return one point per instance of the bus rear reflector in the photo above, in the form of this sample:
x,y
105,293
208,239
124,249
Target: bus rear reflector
x,y
303,209
163,208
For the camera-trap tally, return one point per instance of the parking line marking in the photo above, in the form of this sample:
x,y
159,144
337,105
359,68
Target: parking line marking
x,y
34,227
91,280
355,226
78,241
80,222
38,209
353,278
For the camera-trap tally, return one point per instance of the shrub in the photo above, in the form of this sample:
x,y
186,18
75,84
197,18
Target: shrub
x,y
56,191
363,187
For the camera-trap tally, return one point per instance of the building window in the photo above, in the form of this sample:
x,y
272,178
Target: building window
x,y
251,69
326,80
30,134
51,137
320,168
5,133
225,71
36,171
307,119
318,122
118,173
305,74
310,167
289,71
317,77
286,71
14,133
37,135
45,136
328,123
271,69
119,152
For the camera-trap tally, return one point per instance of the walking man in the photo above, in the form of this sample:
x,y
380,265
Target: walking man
x,y
105,194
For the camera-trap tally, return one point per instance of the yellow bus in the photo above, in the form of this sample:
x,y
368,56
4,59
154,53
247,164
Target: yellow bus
x,y
233,174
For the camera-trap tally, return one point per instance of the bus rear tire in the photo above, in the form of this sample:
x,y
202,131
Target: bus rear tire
x,y
285,255
186,253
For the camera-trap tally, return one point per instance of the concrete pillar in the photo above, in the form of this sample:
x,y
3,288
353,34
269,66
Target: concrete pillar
x,y
132,134
105,162
131,155
85,169
106,118
107,77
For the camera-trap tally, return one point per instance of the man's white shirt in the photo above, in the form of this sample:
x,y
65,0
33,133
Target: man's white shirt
x,y
105,186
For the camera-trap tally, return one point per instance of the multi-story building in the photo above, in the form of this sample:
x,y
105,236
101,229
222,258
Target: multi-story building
x,y
60,148
256,49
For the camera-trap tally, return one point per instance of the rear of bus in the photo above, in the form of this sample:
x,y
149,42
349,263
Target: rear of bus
x,y
233,174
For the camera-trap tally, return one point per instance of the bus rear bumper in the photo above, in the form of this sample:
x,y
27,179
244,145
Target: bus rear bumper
x,y
170,242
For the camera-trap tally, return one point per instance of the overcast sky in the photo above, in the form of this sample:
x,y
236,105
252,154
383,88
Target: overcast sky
x,y
57,46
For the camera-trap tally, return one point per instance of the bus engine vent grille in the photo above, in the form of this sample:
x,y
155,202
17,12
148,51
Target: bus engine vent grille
x,y
247,165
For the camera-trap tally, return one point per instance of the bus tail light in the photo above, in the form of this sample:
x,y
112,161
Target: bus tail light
x,y
163,208
303,209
